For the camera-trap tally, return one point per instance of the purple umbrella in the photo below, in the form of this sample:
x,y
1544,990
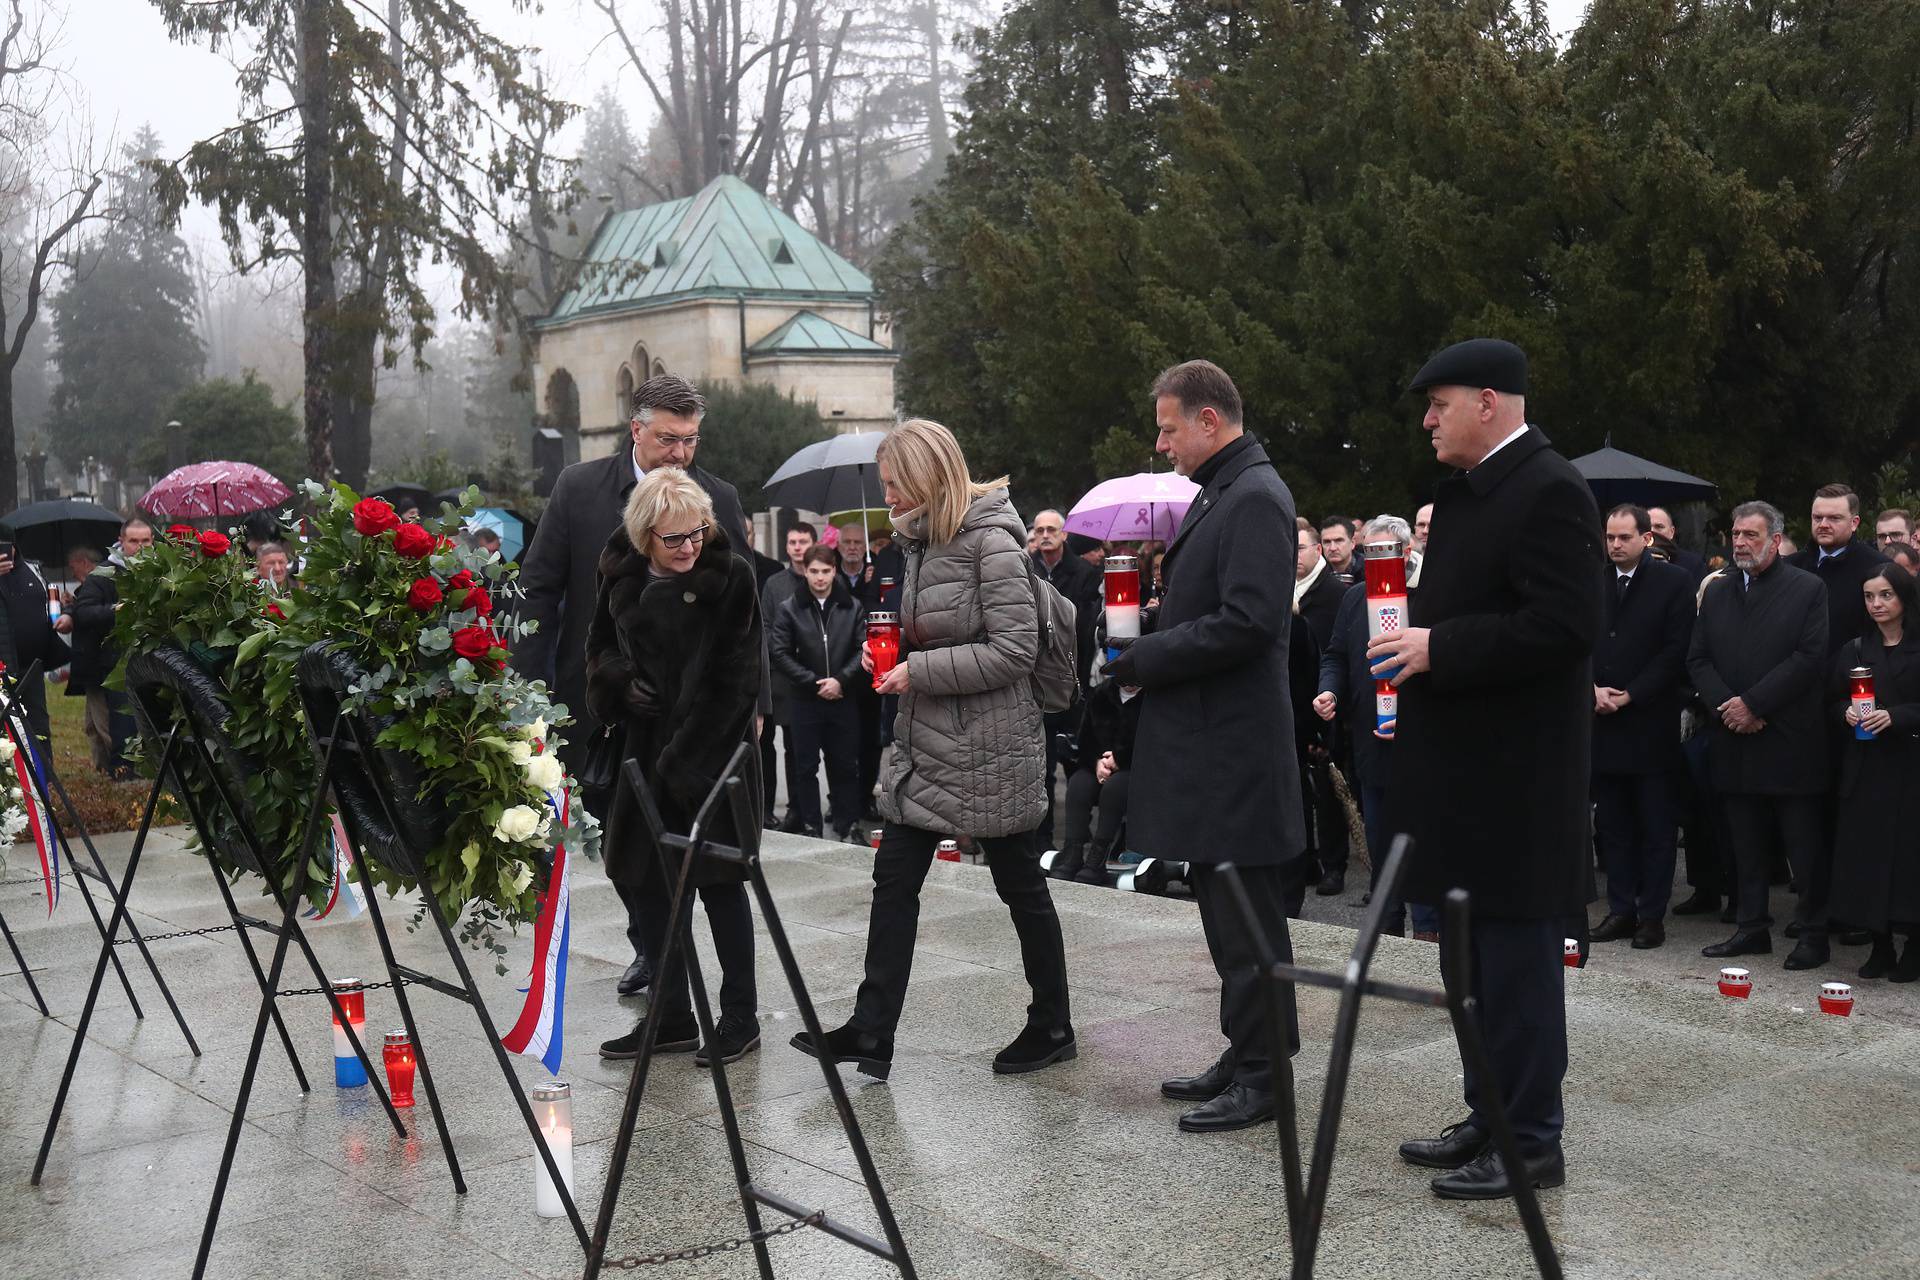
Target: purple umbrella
x,y
204,489
1149,505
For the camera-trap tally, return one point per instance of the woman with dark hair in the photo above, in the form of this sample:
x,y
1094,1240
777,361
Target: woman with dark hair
x,y
968,757
1876,871
673,655
813,640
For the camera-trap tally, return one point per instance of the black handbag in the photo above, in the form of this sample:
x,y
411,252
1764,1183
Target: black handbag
x,y
600,762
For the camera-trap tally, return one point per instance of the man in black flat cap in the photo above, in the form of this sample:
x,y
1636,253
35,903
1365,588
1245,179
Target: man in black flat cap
x,y
1490,757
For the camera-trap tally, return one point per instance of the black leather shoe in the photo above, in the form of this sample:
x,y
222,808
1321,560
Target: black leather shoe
x,y
737,1040
1751,942
1486,1178
1614,928
1810,954
1034,1048
637,978
1067,862
1205,1087
1240,1107
869,1053
675,1037
1793,929
1881,961
1457,1145
1700,904
1332,884
1649,935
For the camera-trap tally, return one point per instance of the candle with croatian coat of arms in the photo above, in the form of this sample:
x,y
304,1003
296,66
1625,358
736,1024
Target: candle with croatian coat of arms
x,y
1386,568
1860,695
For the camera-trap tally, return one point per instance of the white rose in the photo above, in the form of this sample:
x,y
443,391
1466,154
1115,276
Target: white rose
x,y
520,751
517,824
537,731
6,748
545,773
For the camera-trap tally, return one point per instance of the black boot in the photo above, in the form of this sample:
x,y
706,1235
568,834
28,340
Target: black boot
x,y
1882,960
1908,970
1067,861
871,1054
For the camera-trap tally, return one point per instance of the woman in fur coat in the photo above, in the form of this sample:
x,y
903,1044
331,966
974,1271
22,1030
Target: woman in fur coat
x,y
673,655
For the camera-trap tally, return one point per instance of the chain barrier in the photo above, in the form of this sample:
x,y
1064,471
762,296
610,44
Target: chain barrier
x,y
320,991
162,937
633,1262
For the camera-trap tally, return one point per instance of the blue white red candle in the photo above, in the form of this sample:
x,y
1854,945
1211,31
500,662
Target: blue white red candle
x,y
1860,695
348,1072
1122,583
1386,566
1386,707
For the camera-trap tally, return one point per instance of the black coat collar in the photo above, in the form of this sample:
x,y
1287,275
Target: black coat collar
x,y
707,580
1228,465
1485,477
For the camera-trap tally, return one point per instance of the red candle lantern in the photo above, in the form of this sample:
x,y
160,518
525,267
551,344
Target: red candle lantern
x,y
398,1053
883,643
1386,568
948,851
1122,578
1860,695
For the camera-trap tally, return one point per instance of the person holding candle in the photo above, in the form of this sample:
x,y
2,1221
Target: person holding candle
x,y
968,758
1876,873
814,642
674,653
1081,584
1100,780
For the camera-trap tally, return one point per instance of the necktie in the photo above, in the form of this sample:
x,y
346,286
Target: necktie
x,y
1620,583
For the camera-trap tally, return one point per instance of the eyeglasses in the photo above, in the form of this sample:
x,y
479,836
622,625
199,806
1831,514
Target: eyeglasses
x,y
674,541
668,442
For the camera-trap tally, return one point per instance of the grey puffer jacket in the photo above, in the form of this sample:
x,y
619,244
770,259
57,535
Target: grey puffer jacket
x,y
968,750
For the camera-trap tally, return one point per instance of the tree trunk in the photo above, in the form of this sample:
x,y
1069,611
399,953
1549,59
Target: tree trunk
x,y
9,464
939,138
1115,89
316,234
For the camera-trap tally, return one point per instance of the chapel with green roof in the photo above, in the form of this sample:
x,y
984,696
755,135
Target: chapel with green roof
x,y
717,286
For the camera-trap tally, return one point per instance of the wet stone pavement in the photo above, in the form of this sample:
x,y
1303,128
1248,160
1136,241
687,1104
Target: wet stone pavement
x,y
1705,1137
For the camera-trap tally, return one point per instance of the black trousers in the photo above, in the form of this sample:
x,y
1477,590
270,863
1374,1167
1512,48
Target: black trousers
x,y
1706,821
1763,825
1052,726
1636,823
766,763
1518,983
900,868
1086,796
832,730
1245,1017
729,917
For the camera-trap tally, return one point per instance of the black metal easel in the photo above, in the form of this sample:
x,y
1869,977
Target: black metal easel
x,y
187,740
1306,1207
46,782
362,776
733,791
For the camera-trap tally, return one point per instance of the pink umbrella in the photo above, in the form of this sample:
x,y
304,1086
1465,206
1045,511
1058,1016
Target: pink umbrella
x,y
214,489
1133,508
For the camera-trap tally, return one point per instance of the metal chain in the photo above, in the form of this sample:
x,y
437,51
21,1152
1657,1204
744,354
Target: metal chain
x,y
365,986
632,1262
162,937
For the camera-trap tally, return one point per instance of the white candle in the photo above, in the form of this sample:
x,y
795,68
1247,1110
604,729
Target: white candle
x,y
553,1112
1123,622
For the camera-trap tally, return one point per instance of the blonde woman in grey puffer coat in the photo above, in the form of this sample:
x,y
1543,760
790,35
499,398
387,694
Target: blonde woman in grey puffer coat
x,y
968,755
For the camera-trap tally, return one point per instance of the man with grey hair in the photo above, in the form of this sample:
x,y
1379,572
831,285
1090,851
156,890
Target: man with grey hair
x,y
1758,658
1080,583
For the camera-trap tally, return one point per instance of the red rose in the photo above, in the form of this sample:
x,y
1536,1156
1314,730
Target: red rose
x,y
461,580
273,611
374,516
478,600
473,643
424,595
443,543
182,532
214,544
413,542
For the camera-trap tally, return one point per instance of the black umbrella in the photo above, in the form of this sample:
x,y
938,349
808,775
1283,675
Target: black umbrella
x,y
405,493
1616,476
46,531
835,474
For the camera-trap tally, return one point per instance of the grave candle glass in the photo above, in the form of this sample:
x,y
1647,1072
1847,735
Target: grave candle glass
x,y
348,1073
553,1112
1860,695
398,1054
1122,581
1386,568
883,643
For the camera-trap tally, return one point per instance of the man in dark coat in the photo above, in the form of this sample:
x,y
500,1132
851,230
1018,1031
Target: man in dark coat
x,y
561,571
1216,721
799,539
110,723
1639,674
1490,758
28,636
1841,563
1317,591
1084,589
1759,657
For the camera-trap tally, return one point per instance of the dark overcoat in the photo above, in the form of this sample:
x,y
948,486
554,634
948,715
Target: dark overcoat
x,y
1490,763
1876,849
1215,751
1768,645
1643,650
560,573
1843,575
94,653
1320,605
1344,674
678,657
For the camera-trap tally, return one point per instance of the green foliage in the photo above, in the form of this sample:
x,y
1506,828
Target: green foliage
x,y
1699,220
749,430
229,421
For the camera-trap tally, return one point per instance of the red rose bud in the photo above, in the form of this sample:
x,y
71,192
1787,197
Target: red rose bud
x,y
374,516
478,600
424,595
214,544
461,580
273,611
473,643
182,532
443,543
413,542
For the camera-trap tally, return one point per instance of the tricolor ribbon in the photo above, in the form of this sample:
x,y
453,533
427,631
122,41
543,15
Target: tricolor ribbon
x,y
537,1033
38,820
342,875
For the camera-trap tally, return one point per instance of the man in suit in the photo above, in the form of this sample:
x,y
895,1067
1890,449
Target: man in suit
x,y
786,585
1759,659
1639,672
561,572
1490,760
1084,589
1317,590
1216,720
1693,562
1840,562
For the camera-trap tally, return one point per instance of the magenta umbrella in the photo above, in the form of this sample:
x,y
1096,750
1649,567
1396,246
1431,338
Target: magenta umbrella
x,y
1135,508
214,489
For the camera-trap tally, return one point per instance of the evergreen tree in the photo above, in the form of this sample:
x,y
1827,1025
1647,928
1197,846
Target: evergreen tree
x,y
233,422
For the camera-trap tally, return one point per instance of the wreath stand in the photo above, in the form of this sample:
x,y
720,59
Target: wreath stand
x,y
185,746
733,791
1306,1207
46,783
367,780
